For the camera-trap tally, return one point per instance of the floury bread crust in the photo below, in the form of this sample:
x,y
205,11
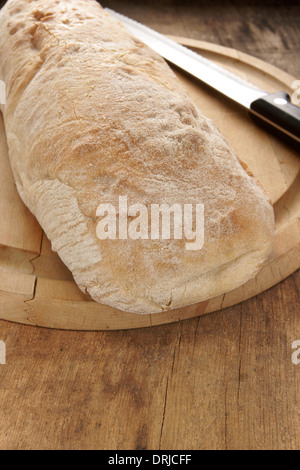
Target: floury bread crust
x,y
92,114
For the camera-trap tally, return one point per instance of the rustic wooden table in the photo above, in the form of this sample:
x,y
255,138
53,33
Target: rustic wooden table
x,y
222,381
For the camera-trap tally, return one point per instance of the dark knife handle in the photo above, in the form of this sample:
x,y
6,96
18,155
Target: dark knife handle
x,y
278,115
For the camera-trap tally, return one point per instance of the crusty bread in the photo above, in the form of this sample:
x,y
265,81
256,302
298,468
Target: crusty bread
x,y
93,114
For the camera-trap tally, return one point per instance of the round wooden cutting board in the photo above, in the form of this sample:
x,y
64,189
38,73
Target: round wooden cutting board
x,y
37,289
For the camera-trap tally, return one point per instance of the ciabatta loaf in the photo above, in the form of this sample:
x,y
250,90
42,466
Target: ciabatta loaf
x,y
92,114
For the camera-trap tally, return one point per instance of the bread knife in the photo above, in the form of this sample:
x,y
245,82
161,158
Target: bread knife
x,y
273,111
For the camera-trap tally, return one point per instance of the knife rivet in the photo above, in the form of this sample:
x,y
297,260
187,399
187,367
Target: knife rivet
x,y
280,101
